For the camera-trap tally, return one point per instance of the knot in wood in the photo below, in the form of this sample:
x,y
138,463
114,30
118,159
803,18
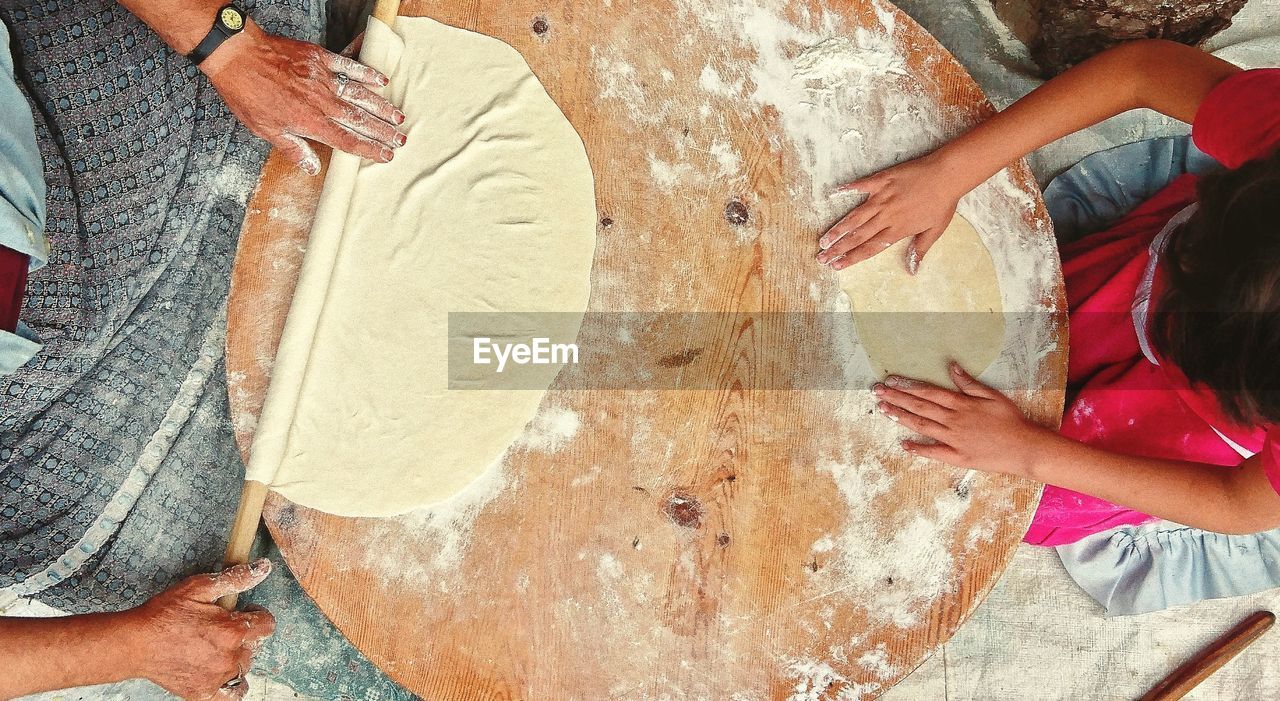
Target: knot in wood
x,y
684,510
736,213
540,26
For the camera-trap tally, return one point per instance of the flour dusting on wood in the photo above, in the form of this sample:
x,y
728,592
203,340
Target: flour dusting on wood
x,y
808,573
445,529
849,105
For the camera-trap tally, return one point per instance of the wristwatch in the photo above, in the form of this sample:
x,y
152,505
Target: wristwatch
x,y
228,23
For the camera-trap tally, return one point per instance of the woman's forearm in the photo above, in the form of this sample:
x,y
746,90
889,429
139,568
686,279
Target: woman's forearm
x,y
183,24
1213,498
1161,75
42,654
180,23
285,91
180,639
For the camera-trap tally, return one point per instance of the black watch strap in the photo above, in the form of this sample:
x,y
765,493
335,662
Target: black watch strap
x,y
228,23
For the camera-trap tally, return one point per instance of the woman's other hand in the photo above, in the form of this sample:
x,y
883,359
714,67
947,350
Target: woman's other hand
x,y
915,199
976,428
286,91
191,646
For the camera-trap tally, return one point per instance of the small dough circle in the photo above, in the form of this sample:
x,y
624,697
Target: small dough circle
x,y
914,325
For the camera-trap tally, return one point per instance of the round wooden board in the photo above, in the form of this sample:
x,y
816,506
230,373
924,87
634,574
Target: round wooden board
x,y
677,544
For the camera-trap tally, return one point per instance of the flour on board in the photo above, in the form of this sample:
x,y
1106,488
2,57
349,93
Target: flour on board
x,y
728,159
619,81
876,661
244,422
849,106
711,81
815,681
551,429
444,529
668,175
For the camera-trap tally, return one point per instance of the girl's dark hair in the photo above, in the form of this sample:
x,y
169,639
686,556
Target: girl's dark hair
x,y
1218,319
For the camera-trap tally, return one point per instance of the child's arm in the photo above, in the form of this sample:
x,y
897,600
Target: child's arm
x,y
918,198
980,428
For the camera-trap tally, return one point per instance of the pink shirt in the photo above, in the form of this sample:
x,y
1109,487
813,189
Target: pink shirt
x,y
1118,398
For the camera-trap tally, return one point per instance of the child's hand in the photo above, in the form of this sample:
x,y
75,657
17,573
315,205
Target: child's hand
x,y
977,427
912,199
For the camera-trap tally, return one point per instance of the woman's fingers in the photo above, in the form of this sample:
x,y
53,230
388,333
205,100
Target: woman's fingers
x,y
344,139
258,623
297,150
234,693
915,405
368,126
233,580
288,91
355,70
226,675
353,49
244,659
359,95
362,110
925,427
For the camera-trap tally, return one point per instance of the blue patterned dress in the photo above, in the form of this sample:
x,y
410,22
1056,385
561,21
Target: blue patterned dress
x,y
118,469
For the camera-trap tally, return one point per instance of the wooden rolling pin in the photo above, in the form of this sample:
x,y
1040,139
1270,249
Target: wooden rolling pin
x,y
254,494
1209,660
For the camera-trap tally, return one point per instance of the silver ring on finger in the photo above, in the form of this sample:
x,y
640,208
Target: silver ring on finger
x,y
236,680
342,80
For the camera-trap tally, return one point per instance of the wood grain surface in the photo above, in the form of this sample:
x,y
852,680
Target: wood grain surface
x,y
672,545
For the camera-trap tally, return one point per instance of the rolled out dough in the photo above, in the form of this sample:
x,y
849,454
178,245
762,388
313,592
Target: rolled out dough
x,y
914,325
489,207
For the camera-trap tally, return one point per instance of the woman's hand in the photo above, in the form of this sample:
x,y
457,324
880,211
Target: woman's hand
x,y
191,646
286,91
913,199
977,427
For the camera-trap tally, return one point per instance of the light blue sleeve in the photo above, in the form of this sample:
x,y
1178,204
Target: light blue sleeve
x,y
17,348
22,191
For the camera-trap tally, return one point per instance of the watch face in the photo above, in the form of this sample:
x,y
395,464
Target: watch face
x,y
231,18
